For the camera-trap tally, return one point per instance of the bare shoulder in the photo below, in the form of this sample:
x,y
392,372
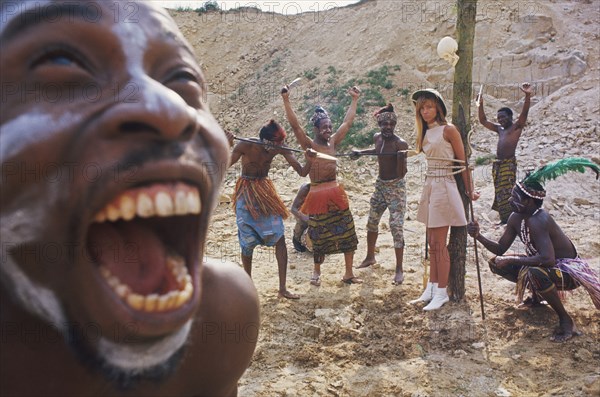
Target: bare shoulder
x,y
514,222
243,146
223,280
516,127
225,331
402,144
450,128
543,221
451,132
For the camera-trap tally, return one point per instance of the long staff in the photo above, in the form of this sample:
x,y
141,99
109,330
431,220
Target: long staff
x,y
319,154
425,262
268,144
461,116
409,153
477,259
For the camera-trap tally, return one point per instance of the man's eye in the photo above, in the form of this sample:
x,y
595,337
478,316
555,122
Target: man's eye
x,y
184,75
58,57
61,60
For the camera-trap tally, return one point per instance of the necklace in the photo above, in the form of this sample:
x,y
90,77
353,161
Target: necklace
x,y
526,237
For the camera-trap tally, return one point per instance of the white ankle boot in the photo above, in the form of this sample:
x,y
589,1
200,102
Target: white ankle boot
x,y
440,296
427,294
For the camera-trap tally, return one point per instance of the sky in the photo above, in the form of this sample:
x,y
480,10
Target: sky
x,y
278,6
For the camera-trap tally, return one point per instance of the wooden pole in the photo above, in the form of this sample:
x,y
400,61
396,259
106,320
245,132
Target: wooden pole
x,y
462,93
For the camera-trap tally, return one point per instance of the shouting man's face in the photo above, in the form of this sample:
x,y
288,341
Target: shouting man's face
x,y
111,163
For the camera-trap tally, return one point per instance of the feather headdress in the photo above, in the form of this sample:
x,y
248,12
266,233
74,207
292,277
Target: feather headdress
x,y
533,184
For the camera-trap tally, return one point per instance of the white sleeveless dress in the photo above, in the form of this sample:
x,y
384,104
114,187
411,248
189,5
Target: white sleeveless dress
x,y
440,204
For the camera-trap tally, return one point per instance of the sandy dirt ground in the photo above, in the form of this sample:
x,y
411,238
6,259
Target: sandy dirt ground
x,y
366,340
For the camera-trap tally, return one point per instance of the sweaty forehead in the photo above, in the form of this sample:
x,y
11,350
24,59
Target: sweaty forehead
x,y
129,19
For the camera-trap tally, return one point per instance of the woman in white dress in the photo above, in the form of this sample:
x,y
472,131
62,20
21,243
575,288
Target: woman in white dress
x,y
441,205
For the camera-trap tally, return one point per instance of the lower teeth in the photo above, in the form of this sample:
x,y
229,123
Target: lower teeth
x,y
155,302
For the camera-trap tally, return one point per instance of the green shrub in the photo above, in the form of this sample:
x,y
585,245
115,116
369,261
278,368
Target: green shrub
x,y
311,74
208,6
358,136
483,160
379,77
373,97
332,70
333,96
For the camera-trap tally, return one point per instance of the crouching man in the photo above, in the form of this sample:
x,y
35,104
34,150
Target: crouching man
x,y
551,264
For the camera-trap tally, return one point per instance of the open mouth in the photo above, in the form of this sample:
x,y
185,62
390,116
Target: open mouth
x,y
144,242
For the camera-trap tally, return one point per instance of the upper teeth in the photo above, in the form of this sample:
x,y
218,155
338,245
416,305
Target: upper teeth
x,y
158,200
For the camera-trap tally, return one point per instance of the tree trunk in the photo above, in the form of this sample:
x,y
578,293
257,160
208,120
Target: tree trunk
x,y
462,93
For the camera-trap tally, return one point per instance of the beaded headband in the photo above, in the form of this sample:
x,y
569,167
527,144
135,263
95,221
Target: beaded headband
x,y
385,116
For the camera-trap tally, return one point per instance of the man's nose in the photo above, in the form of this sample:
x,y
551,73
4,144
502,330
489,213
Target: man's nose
x,y
150,109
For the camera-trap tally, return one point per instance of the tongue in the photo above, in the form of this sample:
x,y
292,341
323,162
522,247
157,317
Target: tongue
x,y
133,253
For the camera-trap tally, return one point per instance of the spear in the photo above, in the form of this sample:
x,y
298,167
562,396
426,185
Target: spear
x,y
409,153
319,154
461,116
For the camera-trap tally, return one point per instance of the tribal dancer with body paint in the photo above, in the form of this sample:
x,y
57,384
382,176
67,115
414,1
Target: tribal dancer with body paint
x,y
330,223
551,265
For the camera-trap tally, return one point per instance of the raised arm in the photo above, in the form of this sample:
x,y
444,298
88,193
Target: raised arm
x,y
483,119
528,90
341,132
303,139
